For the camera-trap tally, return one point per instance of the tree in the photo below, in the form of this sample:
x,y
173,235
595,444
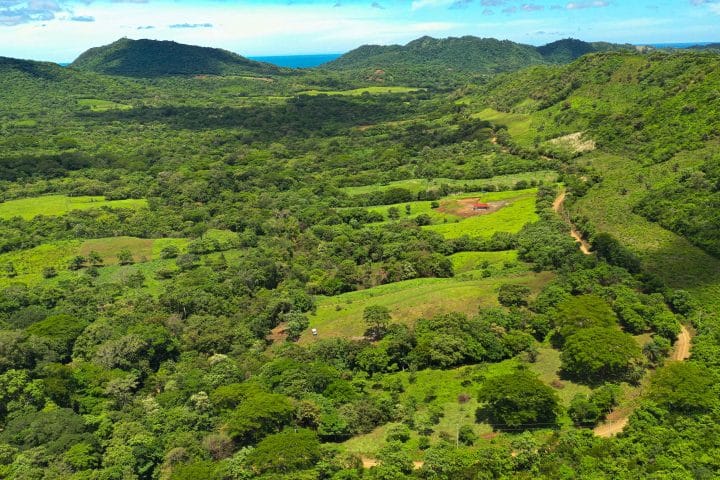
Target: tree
x,y
511,295
595,354
285,452
393,213
377,318
170,251
10,271
296,324
77,262
49,272
95,259
125,256
684,387
581,312
259,415
518,400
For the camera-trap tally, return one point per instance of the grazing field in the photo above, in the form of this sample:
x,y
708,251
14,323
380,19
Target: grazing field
x,y
55,205
341,315
29,264
416,185
362,91
518,209
518,124
494,261
102,105
672,257
142,249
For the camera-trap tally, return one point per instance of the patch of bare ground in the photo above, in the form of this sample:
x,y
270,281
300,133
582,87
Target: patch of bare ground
x,y
575,142
278,334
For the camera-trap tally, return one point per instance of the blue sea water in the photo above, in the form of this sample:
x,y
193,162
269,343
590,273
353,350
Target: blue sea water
x,y
678,45
298,61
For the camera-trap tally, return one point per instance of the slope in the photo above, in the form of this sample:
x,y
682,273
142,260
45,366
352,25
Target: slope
x,y
152,58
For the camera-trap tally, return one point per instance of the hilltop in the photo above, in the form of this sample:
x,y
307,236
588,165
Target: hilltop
x,y
470,55
153,58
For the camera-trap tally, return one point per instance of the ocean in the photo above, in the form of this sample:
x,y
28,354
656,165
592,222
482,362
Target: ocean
x,y
298,61
678,45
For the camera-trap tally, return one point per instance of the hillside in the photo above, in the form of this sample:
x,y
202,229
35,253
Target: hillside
x,y
152,58
431,58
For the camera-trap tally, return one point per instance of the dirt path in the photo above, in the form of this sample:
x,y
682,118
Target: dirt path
x,y
558,207
617,419
682,347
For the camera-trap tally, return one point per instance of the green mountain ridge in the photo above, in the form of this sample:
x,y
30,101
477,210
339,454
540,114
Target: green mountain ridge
x,y
468,54
152,58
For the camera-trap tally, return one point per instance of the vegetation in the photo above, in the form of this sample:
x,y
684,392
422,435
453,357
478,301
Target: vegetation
x,y
211,268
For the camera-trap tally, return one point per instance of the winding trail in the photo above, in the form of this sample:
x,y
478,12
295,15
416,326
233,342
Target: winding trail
x,y
558,208
617,419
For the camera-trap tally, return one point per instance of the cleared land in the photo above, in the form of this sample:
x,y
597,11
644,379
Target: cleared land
x,y
56,205
341,315
102,105
678,262
361,91
518,209
416,185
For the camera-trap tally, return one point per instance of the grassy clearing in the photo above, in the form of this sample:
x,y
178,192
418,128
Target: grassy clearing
x,y
416,185
518,124
143,249
55,205
102,105
341,316
679,263
436,388
468,261
362,91
29,264
519,210
443,218
547,367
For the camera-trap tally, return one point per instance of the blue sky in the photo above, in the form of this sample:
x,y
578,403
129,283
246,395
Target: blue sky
x,y
59,30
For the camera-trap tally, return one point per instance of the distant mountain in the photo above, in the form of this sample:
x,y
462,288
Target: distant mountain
x,y
710,46
465,54
152,58
45,70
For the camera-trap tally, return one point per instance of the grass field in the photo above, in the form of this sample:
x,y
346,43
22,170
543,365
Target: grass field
x,y
143,249
416,185
519,210
102,105
361,91
441,388
55,205
468,261
672,257
29,264
518,124
341,316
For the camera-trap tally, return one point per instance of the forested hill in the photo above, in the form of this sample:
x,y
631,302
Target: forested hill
x,y
467,54
152,58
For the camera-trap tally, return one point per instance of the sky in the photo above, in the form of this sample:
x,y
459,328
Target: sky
x,y
59,30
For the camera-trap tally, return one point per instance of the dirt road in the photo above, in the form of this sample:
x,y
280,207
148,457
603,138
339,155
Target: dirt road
x,y
617,419
558,206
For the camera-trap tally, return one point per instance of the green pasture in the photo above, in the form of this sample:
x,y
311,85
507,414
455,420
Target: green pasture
x,y
678,262
416,185
468,261
518,124
341,315
519,210
97,105
361,91
55,205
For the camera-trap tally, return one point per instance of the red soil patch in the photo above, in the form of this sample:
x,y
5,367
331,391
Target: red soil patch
x,y
466,207
278,334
